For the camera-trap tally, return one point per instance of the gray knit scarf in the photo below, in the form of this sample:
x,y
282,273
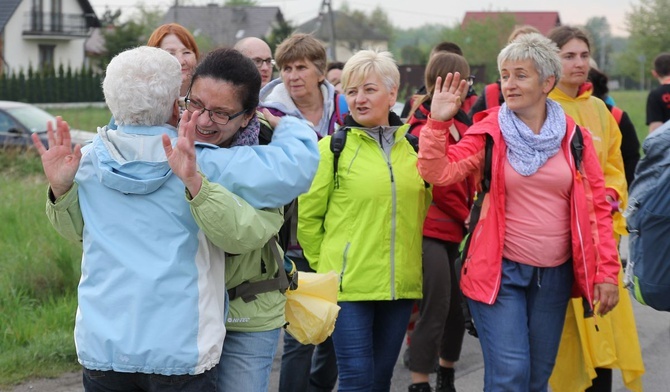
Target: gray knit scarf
x,y
526,151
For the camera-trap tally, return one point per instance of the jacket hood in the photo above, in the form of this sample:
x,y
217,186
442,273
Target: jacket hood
x,y
275,96
131,159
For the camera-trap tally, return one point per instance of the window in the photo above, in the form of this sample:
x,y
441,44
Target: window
x,y
37,18
56,15
47,56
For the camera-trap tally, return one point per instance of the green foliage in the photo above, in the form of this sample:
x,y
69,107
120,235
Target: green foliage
x,y
482,41
647,24
119,38
48,86
600,37
279,33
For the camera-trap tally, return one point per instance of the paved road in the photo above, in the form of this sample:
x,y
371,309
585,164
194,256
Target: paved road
x,y
653,329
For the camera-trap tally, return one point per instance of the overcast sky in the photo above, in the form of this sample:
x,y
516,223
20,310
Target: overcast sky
x,y
414,13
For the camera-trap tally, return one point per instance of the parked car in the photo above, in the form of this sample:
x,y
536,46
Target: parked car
x,y
19,120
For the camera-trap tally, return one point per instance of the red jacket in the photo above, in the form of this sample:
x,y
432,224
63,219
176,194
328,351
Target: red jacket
x,y
594,251
451,204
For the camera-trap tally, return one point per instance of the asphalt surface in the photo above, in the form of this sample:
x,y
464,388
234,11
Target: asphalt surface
x,y
653,331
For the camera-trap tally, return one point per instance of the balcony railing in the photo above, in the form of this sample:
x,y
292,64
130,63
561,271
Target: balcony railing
x,y
46,24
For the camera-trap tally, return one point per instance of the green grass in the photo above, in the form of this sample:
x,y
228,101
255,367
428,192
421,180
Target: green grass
x,y
39,272
87,119
634,103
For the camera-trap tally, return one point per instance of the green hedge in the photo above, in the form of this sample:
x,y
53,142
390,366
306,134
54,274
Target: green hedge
x,y
52,86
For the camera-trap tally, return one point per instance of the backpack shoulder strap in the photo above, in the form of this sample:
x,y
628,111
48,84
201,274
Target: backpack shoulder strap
x,y
492,92
337,142
617,113
413,141
488,163
577,146
249,290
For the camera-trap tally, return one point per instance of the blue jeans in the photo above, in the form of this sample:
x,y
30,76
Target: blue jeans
x,y
306,367
111,381
367,339
521,331
246,361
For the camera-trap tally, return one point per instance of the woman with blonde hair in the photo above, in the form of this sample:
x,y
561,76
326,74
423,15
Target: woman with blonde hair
x,y
362,218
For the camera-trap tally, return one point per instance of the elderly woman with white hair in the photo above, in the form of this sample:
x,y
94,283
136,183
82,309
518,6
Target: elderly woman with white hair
x,y
545,224
363,218
151,298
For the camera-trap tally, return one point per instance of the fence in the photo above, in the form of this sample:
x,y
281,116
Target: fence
x,y
49,85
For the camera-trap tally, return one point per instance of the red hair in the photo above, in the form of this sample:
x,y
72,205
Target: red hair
x,y
180,31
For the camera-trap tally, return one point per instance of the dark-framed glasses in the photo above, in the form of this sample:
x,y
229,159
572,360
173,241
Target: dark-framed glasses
x,y
217,116
471,80
259,62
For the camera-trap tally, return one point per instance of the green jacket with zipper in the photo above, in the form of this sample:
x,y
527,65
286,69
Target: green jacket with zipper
x,y
369,228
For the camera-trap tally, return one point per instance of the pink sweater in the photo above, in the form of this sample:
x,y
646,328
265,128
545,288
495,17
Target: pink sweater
x,y
537,211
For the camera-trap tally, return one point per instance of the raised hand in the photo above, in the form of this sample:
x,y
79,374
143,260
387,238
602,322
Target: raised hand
x,y
61,160
446,98
182,157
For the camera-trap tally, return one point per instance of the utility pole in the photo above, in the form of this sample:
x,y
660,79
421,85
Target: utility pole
x,y
326,8
176,8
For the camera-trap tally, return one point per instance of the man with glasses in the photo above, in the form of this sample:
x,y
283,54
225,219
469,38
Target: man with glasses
x,y
259,52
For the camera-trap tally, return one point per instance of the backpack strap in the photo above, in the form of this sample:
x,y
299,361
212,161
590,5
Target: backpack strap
x,y
492,93
617,113
249,290
577,146
337,142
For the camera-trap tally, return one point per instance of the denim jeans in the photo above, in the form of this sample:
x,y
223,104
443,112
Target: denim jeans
x,y
367,339
521,331
306,367
111,381
246,361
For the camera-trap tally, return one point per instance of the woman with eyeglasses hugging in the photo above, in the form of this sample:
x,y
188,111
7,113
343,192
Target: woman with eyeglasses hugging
x,y
439,331
224,90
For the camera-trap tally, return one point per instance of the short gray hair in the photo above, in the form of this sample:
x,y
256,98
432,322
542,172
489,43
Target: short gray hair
x,y
537,48
364,62
141,86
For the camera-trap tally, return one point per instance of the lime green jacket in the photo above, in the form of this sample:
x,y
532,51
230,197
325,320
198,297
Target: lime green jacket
x,y
214,216
369,229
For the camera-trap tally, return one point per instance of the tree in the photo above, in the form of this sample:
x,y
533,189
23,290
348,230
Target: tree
x,y
279,33
647,24
133,32
482,41
601,36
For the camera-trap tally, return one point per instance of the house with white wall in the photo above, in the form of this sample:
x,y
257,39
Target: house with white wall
x,y
44,33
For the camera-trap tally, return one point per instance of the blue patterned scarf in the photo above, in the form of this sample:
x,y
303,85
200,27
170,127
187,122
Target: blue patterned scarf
x,y
527,151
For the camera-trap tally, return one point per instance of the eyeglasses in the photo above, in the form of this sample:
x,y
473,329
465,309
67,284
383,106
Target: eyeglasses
x,y
216,116
259,62
471,80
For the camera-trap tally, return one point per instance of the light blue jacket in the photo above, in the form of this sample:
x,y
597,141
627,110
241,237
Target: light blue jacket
x,y
150,300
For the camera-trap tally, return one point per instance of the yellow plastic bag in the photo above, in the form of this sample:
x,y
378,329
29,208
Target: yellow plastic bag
x,y
311,309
